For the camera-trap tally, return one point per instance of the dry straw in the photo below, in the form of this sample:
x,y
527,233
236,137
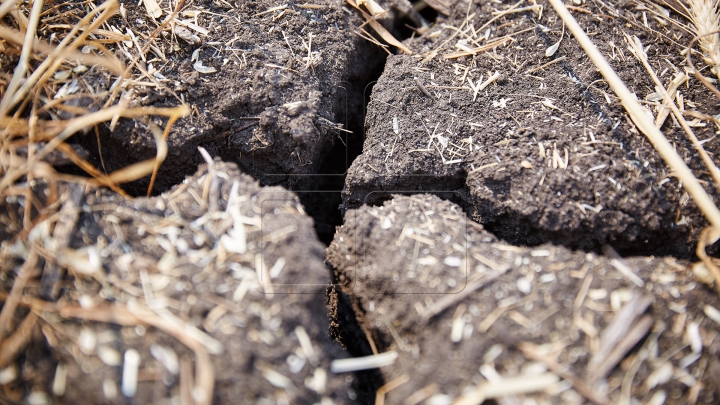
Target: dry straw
x,y
37,118
22,126
705,18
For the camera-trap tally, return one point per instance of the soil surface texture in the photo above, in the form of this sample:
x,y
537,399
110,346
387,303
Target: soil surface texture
x,y
217,276
536,148
285,87
465,312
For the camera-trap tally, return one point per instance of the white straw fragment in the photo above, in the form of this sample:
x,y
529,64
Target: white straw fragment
x,y
363,363
712,313
507,386
60,381
306,345
693,334
488,81
8,375
167,357
130,373
277,268
153,8
627,272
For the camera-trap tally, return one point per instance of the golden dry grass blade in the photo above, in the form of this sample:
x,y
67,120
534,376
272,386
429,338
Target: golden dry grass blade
x,y
53,61
643,121
384,34
160,142
110,62
100,177
6,6
382,391
23,63
705,240
475,51
11,347
20,18
75,125
642,57
11,303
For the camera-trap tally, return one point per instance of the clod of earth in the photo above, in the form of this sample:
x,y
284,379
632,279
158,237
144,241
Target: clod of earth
x,y
273,89
533,147
473,318
217,290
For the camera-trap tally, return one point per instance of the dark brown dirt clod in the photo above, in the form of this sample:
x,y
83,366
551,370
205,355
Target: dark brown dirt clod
x,y
457,304
260,73
615,188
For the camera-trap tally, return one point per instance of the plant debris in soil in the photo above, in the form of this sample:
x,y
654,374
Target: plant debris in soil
x,y
212,292
215,291
505,109
471,318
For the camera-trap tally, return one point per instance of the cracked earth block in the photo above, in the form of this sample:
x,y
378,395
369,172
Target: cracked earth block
x,y
224,262
466,312
535,153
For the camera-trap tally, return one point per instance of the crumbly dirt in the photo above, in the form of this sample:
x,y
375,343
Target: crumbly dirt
x,y
266,108
400,261
249,278
487,148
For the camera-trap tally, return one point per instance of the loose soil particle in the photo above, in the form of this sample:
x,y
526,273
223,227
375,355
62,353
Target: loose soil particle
x,y
249,278
503,149
457,305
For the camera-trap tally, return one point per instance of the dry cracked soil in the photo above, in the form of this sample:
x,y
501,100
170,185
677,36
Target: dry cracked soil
x,y
491,226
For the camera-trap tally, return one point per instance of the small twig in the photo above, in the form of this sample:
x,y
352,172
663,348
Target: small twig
x,y
209,181
452,299
705,239
11,346
22,66
380,395
562,58
423,89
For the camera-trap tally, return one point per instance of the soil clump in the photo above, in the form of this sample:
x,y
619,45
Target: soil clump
x,y
465,311
286,87
536,148
217,278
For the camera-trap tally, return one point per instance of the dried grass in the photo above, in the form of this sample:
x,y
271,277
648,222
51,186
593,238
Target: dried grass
x,y
26,100
705,17
38,115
